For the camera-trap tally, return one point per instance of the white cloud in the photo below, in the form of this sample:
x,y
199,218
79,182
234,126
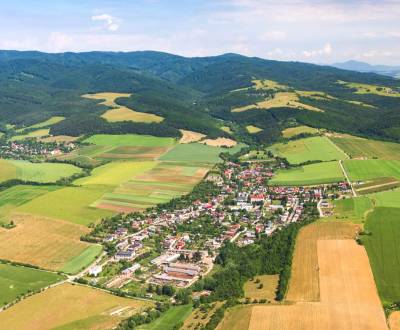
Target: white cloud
x,y
274,36
59,42
326,50
111,22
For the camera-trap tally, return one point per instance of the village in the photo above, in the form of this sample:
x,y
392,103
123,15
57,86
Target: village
x,y
177,247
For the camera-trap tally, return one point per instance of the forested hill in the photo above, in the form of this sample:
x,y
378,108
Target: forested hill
x,y
200,94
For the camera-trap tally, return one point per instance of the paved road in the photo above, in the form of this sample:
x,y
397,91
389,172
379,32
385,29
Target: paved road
x,y
347,178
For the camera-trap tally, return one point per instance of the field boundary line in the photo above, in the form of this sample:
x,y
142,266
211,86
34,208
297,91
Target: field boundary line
x,y
337,147
347,178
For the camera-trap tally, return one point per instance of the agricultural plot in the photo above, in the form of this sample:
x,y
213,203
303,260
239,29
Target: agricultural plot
x,y
364,170
170,319
367,149
130,140
58,308
312,148
17,280
48,243
348,298
219,142
35,172
351,209
60,138
15,196
190,136
197,153
158,185
51,121
236,318
122,113
383,247
293,131
376,185
319,173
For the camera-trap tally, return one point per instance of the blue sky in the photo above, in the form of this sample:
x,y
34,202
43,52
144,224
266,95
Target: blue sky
x,y
319,31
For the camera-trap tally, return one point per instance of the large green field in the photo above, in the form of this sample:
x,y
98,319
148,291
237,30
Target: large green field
x,y
170,319
130,140
351,209
383,247
303,150
362,170
319,173
389,198
364,148
18,195
35,172
18,280
83,260
197,153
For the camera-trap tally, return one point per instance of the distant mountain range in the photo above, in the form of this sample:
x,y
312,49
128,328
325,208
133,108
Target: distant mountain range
x,y
392,71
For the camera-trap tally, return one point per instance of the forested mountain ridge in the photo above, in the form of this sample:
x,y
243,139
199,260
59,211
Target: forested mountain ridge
x,y
191,93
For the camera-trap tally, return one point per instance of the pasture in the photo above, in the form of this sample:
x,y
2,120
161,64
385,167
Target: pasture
x,y
308,149
197,153
236,318
70,306
170,319
83,260
370,89
48,243
119,112
319,173
351,209
293,131
269,284
17,280
35,172
348,298
51,121
376,185
34,134
383,247
253,129
364,148
279,100
363,170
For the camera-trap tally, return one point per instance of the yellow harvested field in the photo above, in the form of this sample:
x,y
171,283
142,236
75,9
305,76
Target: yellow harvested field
x,y
60,138
236,318
269,283
293,131
219,142
189,136
279,100
226,129
394,321
119,112
370,89
70,307
45,242
349,299
304,280
253,129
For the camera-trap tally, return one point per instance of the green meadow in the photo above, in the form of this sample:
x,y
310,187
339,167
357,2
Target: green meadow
x,y
390,198
383,248
351,209
319,173
303,150
18,280
130,140
83,260
361,170
35,172
170,320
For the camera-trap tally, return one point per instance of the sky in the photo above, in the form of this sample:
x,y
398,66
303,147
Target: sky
x,y
314,31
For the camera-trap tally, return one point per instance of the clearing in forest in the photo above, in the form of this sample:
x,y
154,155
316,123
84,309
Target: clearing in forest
x,y
190,136
219,142
261,287
370,89
348,297
319,173
34,134
119,112
253,129
308,149
293,131
58,308
19,280
357,147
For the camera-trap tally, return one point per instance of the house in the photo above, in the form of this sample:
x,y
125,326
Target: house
x,y
131,270
95,270
125,255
